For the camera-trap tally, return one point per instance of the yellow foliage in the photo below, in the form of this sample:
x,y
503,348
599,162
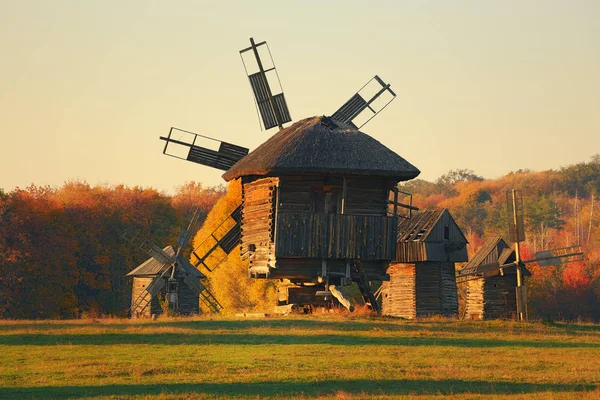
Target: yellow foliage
x,y
230,282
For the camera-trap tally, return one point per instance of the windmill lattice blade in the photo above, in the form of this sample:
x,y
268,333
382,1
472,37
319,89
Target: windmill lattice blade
x,y
186,233
272,107
354,107
223,158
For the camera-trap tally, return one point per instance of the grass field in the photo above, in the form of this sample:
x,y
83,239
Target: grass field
x,y
328,356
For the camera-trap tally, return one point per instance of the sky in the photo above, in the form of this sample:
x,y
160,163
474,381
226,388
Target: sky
x,y
87,87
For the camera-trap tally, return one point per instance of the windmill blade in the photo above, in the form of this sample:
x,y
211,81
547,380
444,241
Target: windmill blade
x,y
157,283
227,242
354,107
272,108
187,268
560,256
150,248
186,232
185,147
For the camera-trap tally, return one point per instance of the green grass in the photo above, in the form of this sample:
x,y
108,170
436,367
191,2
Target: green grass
x,y
324,356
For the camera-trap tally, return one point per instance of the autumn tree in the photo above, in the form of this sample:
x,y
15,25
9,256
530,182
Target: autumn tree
x,y
230,282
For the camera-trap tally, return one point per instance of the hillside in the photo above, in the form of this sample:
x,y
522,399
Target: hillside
x,y
561,209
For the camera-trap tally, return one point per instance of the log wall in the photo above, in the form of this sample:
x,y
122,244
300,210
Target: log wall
x,y
139,286
492,298
420,289
258,218
398,295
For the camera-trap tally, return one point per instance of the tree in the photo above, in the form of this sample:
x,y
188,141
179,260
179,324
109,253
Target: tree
x,y
230,282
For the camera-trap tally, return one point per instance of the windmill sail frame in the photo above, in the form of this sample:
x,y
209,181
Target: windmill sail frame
x,y
357,104
272,108
223,158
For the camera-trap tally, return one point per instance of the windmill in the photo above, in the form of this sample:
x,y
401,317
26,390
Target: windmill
x,y
506,259
296,189
169,268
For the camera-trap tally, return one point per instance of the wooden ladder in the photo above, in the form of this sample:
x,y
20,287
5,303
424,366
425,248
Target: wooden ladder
x,y
359,276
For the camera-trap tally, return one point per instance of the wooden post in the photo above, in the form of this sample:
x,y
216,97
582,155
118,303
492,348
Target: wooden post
x,y
519,297
344,190
395,201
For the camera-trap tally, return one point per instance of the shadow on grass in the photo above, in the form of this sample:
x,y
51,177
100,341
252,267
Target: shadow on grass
x,y
271,339
341,325
311,389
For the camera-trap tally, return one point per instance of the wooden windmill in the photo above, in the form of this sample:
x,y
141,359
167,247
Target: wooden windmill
x,y
315,209
495,275
168,269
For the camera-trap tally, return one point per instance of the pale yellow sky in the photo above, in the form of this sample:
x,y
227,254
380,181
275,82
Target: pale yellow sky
x,y
87,87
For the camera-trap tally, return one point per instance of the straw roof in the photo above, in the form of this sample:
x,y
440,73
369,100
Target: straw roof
x,y
322,145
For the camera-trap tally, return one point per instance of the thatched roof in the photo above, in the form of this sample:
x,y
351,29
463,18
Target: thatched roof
x,y
322,145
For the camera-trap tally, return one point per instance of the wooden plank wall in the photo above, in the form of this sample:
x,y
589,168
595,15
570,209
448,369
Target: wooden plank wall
x,y
475,305
448,290
189,300
258,213
500,297
308,269
428,288
364,196
139,285
336,236
398,295
492,298
420,289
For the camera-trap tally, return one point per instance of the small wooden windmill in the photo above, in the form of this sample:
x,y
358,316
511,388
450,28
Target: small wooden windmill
x,y
315,195
167,268
492,297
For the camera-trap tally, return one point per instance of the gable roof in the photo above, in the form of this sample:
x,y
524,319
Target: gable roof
x,y
418,228
322,145
152,267
495,250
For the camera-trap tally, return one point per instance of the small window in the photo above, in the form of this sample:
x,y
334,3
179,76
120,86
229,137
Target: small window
x,y
446,233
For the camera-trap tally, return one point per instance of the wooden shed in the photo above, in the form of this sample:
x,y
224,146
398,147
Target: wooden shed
x,y
145,273
422,275
315,204
491,294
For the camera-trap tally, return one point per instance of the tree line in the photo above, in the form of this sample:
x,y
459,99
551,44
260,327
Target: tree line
x,y
561,209
61,255
61,252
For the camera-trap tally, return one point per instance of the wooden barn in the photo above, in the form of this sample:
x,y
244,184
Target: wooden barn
x,y
422,275
491,293
315,204
145,273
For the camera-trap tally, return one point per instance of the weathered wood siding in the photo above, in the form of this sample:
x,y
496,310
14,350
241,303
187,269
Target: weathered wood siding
x,y
448,290
139,285
308,269
399,295
258,218
492,297
420,289
188,299
428,288
474,308
445,242
364,196
335,236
